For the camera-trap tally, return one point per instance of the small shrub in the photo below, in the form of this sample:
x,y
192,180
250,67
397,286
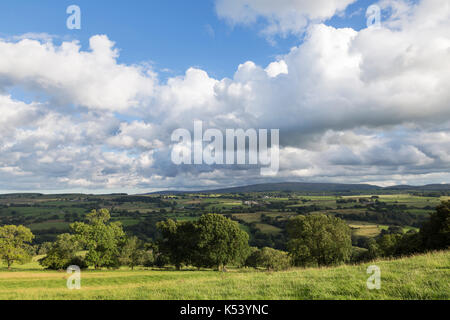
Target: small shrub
x,y
268,258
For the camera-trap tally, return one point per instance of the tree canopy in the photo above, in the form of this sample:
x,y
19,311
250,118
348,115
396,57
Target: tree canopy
x,y
14,242
436,231
268,258
212,241
101,238
221,241
62,253
319,240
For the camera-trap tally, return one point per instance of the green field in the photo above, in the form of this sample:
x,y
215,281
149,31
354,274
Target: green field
x,y
419,277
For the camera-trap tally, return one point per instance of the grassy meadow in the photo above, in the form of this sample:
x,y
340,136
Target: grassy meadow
x,y
420,277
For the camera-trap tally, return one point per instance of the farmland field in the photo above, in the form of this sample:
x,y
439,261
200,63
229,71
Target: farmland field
x,y
419,277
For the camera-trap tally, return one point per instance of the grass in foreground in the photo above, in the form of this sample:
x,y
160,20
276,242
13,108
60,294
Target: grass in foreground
x,y
419,277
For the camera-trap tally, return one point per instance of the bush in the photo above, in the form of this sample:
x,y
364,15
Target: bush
x,y
252,259
77,261
358,254
149,259
44,248
272,259
161,261
62,253
269,259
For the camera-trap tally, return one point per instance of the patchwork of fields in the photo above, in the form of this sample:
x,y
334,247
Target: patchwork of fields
x,y
262,215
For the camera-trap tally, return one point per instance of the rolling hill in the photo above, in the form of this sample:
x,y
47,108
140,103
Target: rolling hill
x,y
316,188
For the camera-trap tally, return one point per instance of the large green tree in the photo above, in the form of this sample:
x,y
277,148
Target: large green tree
x,y
102,238
14,244
179,242
212,241
220,242
319,240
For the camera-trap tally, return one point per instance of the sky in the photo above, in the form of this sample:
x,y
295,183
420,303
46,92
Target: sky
x,y
93,110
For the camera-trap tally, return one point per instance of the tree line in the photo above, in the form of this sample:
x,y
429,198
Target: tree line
x,y
215,241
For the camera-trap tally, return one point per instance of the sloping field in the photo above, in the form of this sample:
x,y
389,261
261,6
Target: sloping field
x,y
419,277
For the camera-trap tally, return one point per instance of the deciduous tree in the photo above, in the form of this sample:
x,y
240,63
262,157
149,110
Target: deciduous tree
x,y
101,238
14,241
62,253
319,240
221,241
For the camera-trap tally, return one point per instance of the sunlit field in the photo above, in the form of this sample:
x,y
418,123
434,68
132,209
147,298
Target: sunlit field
x,y
420,277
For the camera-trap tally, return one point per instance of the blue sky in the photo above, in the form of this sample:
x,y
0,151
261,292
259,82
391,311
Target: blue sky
x,y
171,34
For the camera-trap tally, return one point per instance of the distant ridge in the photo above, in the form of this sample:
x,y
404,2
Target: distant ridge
x,y
305,187
297,186
428,187
288,187
314,188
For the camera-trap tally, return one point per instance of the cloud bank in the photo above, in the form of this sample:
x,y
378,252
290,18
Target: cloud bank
x,y
352,106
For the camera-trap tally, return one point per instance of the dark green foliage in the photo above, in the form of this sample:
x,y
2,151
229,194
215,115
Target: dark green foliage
x,y
63,253
212,241
358,254
161,260
101,238
220,241
436,232
387,244
434,235
79,262
268,258
409,243
373,250
179,242
44,248
134,253
319,240
252,259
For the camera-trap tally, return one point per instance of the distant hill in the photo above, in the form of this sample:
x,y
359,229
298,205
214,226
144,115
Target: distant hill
x,y
429,187
288,187
298,187
316,188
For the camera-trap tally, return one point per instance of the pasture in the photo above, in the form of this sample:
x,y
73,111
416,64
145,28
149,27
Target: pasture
x,y
419,277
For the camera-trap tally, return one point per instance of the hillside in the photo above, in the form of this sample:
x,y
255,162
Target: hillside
x,y
315,188
299,187
288,187
419,277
